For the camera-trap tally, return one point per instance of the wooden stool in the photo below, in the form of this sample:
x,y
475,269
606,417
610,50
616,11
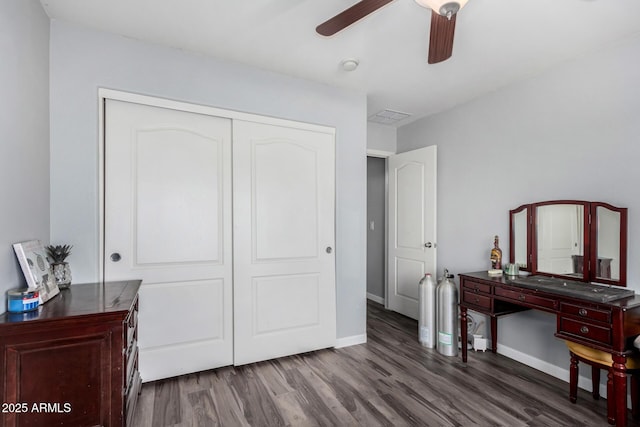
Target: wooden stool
x,y
601,360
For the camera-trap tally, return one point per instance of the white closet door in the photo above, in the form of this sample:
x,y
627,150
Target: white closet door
x,y
168,222
284,264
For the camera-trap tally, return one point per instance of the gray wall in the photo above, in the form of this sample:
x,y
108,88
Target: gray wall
x,y
83,60
570,133
381,137
24,133
376,189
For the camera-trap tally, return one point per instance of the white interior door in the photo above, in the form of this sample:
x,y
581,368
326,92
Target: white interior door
x,y
167,222
284,262
411,207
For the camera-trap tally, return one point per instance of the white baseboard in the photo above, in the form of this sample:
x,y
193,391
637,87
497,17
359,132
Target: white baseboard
x,y
375,298
548,368
352,340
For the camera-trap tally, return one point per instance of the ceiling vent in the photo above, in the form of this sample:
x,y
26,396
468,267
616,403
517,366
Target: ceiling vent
x,y
388,117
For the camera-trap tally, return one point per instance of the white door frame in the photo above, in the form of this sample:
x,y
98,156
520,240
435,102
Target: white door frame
x,y
118,95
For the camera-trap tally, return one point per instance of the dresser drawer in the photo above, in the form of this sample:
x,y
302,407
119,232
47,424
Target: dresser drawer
x,y
131,325
585,312
132,358
131,398
585,330
472,298
476,287
527,299
131,370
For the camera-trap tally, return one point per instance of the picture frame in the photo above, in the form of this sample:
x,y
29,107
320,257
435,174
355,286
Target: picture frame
x,y
32,258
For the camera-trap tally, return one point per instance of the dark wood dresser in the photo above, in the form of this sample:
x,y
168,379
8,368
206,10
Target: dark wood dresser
x,y
74,361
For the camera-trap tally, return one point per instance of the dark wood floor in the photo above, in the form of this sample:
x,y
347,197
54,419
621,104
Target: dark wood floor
x,y
390,381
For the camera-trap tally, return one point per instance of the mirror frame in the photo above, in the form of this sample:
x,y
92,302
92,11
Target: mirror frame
x,y
512,245
590,246
593,256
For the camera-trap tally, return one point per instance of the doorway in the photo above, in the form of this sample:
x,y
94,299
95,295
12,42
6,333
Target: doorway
x,y
376,228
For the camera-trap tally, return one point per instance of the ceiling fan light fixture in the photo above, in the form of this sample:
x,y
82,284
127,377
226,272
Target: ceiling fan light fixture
x,y
446,8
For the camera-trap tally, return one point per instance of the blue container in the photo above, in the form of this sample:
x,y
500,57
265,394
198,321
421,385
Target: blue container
x,y
21,317
21,300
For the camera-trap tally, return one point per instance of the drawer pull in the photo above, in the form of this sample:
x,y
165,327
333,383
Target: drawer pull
x,y
476,300
582,312
521,297
476,290
584,330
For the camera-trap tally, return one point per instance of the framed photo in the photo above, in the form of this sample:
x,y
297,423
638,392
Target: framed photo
x,y
35,267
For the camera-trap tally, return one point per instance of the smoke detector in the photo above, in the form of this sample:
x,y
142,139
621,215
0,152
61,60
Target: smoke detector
x,y
349,64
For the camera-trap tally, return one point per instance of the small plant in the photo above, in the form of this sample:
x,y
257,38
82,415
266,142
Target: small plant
x,y
58,253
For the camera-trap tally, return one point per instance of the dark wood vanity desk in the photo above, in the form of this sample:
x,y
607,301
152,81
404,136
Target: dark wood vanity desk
x,y
587,319
74,361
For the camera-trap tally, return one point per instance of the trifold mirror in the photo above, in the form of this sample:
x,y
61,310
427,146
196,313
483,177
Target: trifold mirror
x,y
577,240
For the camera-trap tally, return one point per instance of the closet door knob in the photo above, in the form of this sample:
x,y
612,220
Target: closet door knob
x,y
115,257
329,249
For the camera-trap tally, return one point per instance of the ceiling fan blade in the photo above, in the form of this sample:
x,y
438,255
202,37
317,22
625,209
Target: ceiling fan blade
x,y
349,16
441,37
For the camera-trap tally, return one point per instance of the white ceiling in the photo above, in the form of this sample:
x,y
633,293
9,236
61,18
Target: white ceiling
x,y
497,42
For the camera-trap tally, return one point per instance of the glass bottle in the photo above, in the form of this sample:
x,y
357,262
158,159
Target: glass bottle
x,y
496,255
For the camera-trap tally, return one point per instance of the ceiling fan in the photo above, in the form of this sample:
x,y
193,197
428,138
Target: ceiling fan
x,y
443,23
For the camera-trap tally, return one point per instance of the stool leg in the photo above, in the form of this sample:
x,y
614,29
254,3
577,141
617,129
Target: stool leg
x,y
573,379
595,382
611,399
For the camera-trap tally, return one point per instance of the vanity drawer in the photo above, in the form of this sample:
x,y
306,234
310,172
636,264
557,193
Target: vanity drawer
x,y
472,298
476,287
586,330
585,312
527,299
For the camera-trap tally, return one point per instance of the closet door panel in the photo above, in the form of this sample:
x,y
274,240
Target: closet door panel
x,y
284,264
168,222
285,222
